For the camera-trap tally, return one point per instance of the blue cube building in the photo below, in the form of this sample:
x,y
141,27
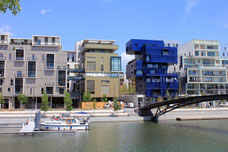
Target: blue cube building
x,y
149,68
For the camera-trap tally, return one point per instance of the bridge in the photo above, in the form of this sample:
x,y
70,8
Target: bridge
x,y
169,105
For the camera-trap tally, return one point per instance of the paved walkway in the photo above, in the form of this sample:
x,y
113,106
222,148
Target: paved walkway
x,y
29,128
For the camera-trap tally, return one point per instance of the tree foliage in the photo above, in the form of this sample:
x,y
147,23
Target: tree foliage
x,y
168,95
116,105
13,5
94,103
22,98
127,90
2,101
104,99
45,102
87,97
68,101
160,99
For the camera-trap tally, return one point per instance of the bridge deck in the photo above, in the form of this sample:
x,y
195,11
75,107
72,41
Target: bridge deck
x,y
28,128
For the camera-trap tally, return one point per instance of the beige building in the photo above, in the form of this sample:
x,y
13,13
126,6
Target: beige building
x,y
32,66
102,67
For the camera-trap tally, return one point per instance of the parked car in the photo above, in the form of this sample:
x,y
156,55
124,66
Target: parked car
x,y
225,104
130,105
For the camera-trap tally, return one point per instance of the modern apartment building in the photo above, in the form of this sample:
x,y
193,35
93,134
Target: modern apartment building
x,y
206,72
32,66
149,68
102,66
223,50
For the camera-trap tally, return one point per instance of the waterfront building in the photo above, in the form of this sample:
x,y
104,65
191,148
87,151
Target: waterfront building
x,y
206,72
32,66
149,68
101,66
223,50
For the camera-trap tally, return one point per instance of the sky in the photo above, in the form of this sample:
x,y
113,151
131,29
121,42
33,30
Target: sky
x,y
119,20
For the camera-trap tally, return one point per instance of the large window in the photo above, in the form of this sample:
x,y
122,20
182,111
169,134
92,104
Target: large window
x,y
115,64
18,85
62,78
91,86
31,69
49,90
165,52
91,66
50,62
2,68
19,54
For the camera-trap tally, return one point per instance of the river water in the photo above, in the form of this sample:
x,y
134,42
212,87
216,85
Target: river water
x,y
167,136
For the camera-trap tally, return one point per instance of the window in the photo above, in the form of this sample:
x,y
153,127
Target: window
x,y
102,67
50,62
215,47
43,57
35,39
10,56
91,66
2,68
19,54
31,69
62,78
223,54
1,81
19,73
165,52
46,40
152,71
148,80
203,53
102,60
8,90
196,53
33,57
210,53
11,82
224,48
105,89
202,46
2,37
53,40
196,46
116,64
91,86
18,85
61,90
49,90
42,90
105,81
139,72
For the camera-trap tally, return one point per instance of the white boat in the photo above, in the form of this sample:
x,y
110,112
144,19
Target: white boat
x,y
64,124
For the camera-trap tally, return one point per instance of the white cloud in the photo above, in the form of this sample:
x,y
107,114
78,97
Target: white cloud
x,y
125,59
190,4
6,30
45,11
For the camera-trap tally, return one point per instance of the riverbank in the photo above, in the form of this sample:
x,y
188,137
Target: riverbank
x,y
128,114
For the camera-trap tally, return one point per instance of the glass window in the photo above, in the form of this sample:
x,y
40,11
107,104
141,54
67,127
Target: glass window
x,y
50,61
139,72
61,90
116,64
10,56
210,53
62,78
91,66
196,46
2,68
43,57
105,81
42,90
1,81
196,53
49,90
202,46
31,69
18,85
102,67
91,86
165,52
19,54
19,73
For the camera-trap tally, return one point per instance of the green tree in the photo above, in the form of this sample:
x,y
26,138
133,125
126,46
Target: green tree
x,y
12,5
104,99
45,102
22,98
160,99
94,103
68,101
87,97
2,101
203,93
116,105
168,95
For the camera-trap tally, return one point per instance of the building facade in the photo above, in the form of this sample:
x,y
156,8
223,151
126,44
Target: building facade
x,y
205,70
102,67
149,68
32,66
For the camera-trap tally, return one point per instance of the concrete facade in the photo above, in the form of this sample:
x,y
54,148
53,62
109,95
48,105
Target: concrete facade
x,y
32,66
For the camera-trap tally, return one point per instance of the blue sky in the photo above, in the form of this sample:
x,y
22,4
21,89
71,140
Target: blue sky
x,y
119,20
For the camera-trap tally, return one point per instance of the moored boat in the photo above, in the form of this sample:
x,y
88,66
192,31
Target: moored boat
x,y
64,124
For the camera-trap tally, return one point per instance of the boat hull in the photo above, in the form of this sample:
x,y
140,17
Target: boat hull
x,y
63,127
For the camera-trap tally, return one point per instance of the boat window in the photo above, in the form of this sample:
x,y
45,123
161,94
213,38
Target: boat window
x,y
68,121
73,121
63,119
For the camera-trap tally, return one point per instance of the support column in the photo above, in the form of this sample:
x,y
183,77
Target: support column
x,y
36,103
50,102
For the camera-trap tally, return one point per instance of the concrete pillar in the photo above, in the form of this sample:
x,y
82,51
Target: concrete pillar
x,y
11,103
36,103
50,102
